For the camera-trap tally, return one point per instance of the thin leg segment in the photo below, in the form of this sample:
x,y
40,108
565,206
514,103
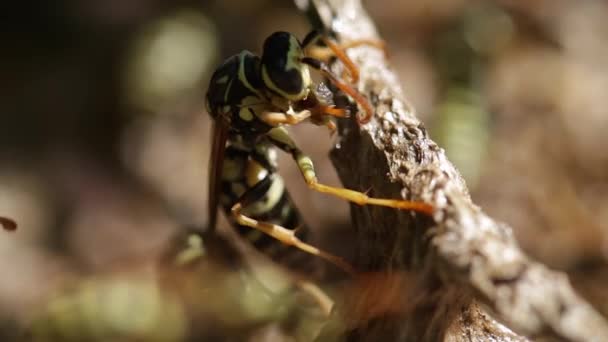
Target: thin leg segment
x,y
321,115
307,168
278,232
287,237
333,49
280,137
279,118
347,89
318,56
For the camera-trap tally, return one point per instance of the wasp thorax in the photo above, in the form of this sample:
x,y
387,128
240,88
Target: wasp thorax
x,y
282,69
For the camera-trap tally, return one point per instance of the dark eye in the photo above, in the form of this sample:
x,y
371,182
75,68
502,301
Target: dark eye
x,y
281,66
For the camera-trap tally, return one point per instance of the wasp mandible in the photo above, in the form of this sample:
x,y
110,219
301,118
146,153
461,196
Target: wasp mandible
x,y
251,100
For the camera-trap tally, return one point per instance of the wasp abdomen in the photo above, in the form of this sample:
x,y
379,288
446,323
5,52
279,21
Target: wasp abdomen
x,y
267,200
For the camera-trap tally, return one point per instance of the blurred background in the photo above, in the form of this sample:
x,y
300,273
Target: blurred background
x,y
104,141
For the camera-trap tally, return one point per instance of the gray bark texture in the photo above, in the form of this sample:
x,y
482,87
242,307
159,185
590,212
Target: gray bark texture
x,y
466,267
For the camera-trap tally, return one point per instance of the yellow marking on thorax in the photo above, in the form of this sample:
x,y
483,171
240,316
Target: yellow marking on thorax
x,y
249,104
228,90
243,76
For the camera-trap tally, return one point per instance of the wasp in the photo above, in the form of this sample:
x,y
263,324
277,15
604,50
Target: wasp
x,y
252,100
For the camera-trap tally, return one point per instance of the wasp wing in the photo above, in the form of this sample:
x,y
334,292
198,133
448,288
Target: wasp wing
x,y
216,163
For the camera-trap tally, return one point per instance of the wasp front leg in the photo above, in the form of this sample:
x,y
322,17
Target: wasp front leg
x,y
279,118
346,88
280,137
317,116
252,198
321,116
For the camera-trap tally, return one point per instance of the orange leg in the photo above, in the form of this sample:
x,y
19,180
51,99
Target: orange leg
x,y
321,113
347,89
333,111
338,50
322,54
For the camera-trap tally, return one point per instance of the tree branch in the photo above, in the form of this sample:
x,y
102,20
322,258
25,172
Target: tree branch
x,y
460,247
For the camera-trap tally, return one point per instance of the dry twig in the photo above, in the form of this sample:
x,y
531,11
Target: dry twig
x,y
463,256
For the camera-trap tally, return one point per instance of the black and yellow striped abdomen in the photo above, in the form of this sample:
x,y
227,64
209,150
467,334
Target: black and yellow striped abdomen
x,y
246,169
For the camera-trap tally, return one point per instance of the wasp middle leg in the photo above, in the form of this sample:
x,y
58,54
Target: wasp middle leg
x,y
280,137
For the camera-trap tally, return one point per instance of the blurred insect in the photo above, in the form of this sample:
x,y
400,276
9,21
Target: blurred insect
x,y
115,308
8,224
251,100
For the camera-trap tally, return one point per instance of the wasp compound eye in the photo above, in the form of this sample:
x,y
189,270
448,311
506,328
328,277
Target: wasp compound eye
x,y
282,69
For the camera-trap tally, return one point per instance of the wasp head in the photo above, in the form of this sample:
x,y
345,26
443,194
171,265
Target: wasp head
x,y
282,69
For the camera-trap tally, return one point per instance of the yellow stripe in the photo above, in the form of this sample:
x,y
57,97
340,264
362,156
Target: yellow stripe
x,y
243,76
273,196
227,91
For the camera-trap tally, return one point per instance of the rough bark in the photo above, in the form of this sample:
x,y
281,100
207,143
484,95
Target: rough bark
x,y
463,257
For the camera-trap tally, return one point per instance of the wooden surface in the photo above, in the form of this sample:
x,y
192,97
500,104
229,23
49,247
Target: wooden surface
x,y
457,259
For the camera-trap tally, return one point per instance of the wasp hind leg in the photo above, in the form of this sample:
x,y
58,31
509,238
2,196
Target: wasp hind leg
x,y
282,234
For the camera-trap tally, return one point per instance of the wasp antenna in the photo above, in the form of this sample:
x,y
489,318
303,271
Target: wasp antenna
x,y
341,55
